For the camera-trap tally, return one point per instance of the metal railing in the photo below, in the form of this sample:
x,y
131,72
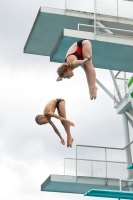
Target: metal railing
x,y
104,15
95,168
108,28
114,8
107,165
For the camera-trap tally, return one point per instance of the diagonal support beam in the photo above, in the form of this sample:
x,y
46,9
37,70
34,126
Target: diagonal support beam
x,y
117,74
116,86
107,91
131,122
105,30
129,115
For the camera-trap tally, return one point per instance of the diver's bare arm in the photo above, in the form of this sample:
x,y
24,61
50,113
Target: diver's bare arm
x,y
51,114
77,63
55,129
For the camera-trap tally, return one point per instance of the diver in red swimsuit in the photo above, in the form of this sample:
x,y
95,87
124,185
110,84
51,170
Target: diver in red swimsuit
x,y
80,54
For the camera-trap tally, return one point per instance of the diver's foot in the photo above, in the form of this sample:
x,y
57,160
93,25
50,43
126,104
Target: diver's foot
x,y
70,141
91,97
93,93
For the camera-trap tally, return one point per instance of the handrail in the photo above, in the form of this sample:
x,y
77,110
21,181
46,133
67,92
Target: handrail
x,y
117,29
94,160
106,147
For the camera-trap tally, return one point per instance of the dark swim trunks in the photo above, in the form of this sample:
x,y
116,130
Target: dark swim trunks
x,y
58,101
78,52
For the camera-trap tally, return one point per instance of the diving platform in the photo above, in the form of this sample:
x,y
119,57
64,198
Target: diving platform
x,y
55,30
80,184
110,194
108,52
93,168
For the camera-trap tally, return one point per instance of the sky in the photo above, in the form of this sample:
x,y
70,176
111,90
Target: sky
x,y
30,153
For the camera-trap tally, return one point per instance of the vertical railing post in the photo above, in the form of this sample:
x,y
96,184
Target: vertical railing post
x,y
65,6
64,166
117,7
94,19
92,168
106,163
76,163
120,183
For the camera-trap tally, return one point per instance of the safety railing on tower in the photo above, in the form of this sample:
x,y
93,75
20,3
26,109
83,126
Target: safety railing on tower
x,y
95,161
113,17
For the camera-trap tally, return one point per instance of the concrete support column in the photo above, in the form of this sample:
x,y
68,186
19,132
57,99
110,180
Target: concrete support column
x,y
127,141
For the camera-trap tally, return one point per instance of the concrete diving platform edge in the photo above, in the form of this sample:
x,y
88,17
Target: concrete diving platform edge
x,y
80,184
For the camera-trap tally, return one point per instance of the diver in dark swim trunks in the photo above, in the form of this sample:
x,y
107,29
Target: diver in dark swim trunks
x,y
80,54
58,101
49,112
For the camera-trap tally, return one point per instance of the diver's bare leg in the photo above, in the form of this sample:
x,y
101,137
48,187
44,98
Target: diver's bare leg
x,y
89,69
62,113
91,79
88,81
